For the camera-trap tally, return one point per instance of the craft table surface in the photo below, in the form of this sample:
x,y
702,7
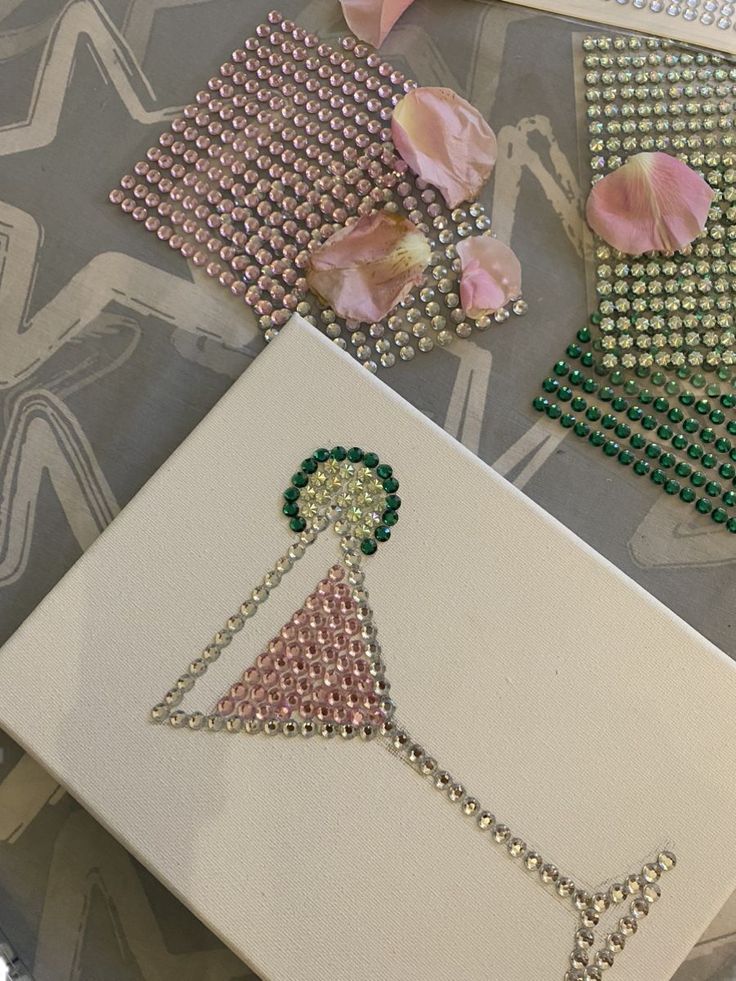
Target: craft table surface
x,y
85,86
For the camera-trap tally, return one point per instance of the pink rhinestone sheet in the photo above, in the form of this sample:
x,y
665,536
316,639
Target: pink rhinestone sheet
x,y
289,142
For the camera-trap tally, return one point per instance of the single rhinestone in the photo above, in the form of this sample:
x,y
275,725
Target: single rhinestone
x,y
639,908
617,892
533,861
590,917
582,899
615,942
443,780
470,806
485,820
516,847
160,712
501,833
549,874
600,902
627,926
456,792
579,958
651,892
565,887
666,861
604,959
584,938
650,873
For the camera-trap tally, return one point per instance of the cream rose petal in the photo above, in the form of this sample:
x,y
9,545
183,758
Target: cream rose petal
x,y
490,275
653,203
371,20
365,269
444,140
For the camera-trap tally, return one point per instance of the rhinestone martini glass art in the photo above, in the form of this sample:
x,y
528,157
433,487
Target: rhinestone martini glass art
x,y
323,675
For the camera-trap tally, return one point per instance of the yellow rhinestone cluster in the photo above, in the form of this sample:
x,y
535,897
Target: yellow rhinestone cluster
x,y
353,487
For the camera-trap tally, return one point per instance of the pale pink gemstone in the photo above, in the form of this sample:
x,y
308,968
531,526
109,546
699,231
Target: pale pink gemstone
x,y
306,709
316,670
264,661
225,706
311,652
246,710
352,627
288,632
264,712
270,677
340,714
329,654
331,677
305,636
258,693
238,691
251,676
340,640
344,663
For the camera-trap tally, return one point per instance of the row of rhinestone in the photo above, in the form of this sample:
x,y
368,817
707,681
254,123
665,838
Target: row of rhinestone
x,y
709,13
287,142
167,710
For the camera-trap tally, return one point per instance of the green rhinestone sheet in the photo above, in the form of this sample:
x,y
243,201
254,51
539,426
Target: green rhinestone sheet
x,y
650,381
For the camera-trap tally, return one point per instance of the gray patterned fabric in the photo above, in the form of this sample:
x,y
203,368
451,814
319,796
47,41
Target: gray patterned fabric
x,y
110,352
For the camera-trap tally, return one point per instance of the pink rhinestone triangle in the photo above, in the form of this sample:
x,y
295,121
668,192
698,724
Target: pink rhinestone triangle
x,y
315,668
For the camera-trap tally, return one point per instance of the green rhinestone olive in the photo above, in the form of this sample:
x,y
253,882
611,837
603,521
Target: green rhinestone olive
x,y
297,524
687,494
731,525
540,403
338,453
384,471
370,460
382,533
309,465
368,546
626,457
393,502
299,479
672,487
641,467
390,518
355,454
291,494
291,509
704,505
321,455
391,485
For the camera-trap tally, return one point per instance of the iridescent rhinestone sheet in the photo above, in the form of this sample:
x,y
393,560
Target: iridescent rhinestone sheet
x,y
284,146
650,380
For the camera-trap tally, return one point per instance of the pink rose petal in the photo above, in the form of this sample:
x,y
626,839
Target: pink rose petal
x,y
444,140
371,20
490,276
653,203
366,268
